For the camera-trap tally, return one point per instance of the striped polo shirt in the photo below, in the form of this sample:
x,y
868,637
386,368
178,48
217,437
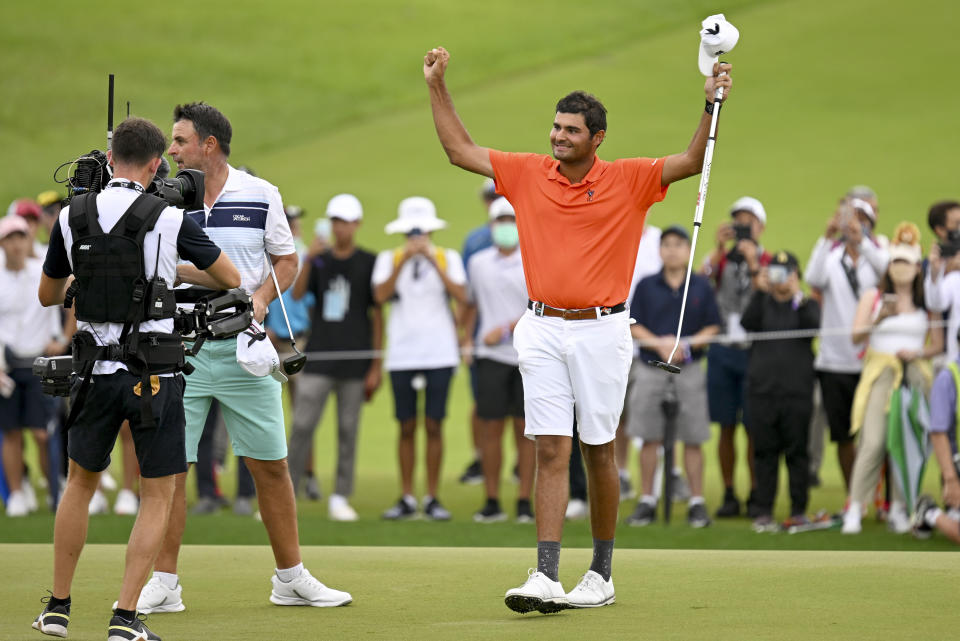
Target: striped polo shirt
x,y
246,219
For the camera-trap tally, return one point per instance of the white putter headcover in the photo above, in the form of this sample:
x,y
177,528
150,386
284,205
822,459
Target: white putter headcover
x,y
717,37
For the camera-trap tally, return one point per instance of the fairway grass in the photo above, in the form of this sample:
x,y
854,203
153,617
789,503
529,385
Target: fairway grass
x,y
432,594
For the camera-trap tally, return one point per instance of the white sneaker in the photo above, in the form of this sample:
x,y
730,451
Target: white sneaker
x,y
538,593
127,503
156,597
306,590
852,518
897,519
29,495
98,503
339,509
107,482
591,592
17,504
576,510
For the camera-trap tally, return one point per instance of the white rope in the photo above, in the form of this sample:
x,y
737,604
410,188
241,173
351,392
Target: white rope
x,y
729,339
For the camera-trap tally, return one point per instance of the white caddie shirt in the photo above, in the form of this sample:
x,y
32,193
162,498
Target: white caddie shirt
x,y
499,290
421,333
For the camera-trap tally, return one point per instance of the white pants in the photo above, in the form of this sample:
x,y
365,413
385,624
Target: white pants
x,y
567,364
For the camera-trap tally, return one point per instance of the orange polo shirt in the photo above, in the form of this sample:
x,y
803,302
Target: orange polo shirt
x,y
578,242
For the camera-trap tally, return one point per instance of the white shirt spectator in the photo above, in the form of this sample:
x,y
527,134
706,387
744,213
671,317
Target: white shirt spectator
x,y
648,258
421,333
26,326
944,296
827,271
499,290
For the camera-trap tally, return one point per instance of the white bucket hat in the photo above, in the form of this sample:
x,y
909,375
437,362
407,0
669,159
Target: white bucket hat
x,y
257,355
716,38
416,212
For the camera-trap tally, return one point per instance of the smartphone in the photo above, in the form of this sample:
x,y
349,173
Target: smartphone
x,y
321,229
778,274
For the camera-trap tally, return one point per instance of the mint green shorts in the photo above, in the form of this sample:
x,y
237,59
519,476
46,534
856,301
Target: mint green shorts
x,y
252,406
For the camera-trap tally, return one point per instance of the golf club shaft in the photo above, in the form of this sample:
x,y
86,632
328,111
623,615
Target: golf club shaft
x,y
698,215
283,307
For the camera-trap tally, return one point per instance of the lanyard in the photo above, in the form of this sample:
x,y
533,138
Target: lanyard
x,y
125,184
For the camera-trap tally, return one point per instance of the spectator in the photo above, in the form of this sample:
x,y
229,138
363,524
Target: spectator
x,y
27,330
780,382
499,299
943,435
894,319
656,308
846,261
733,268
345,318
942,282
31,212
419,279
477,240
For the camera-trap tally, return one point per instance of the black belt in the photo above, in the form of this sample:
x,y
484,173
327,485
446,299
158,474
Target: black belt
x,y
588,313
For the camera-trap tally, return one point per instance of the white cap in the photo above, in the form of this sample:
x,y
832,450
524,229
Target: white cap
x,y
12,225
345,207
865,207
716,38
416,212
257,355
752,205
489,189
501,207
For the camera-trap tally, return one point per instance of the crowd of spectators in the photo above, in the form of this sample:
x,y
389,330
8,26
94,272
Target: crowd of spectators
x,y
875,329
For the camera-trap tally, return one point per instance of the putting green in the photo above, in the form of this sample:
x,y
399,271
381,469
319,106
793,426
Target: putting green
x,y
444,593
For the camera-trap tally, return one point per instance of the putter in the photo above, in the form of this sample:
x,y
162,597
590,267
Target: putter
x,y
291,364
697,220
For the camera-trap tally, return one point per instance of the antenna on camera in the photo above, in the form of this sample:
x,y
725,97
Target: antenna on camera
x,y
110,113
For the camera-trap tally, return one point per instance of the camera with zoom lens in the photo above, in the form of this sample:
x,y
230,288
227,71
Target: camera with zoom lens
x,y
56,374
91,173
951,247
778,274
742,232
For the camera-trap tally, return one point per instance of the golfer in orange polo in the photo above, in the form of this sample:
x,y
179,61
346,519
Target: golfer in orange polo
x,y
580,220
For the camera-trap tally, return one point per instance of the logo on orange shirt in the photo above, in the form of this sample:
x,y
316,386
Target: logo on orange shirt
x,y
590,195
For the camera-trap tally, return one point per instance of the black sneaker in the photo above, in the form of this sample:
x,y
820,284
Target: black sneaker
x,y
753,508
53,620
697,515
524,511
626,488
403,509
473,475
920,528
491,513
643,514
312,488
122,630
730,507
434,511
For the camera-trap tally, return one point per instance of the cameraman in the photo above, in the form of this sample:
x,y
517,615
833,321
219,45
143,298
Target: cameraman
x,y
734,269
117,392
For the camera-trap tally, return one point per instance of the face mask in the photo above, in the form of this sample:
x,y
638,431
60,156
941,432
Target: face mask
x,y
505,235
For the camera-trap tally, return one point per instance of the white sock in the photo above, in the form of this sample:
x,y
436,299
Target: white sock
x,y
649,499
931,516
695,500
289,574
167,580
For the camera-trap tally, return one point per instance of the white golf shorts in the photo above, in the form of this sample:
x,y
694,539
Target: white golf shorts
x,y
567,364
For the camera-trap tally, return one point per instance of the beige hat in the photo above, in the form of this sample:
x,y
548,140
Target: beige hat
x,y
12,225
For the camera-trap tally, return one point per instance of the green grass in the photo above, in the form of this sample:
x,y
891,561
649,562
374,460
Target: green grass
x,y
428,594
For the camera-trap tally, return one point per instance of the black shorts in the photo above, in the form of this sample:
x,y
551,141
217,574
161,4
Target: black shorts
x,y
499,390
436,390
161,450
27,406
837,392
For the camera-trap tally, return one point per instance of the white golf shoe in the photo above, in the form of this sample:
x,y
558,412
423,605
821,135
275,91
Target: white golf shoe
x,y
17,504
156,597
306,590
29,494
576,510
591,592
852,518
539,593
339,509
898,521
127,503
99,503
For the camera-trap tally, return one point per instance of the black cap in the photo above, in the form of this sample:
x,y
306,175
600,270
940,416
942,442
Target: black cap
x,y
676,230
786,259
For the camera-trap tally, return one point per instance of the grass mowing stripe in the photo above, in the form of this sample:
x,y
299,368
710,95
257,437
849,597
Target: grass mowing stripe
x,y
429,594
